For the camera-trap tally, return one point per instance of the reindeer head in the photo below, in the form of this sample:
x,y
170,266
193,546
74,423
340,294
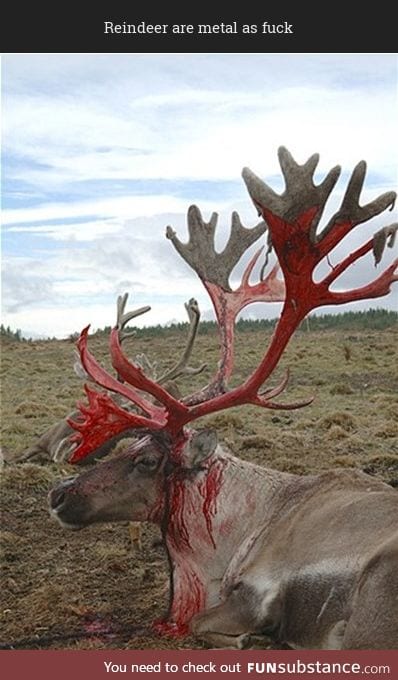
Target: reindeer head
x,y
134,485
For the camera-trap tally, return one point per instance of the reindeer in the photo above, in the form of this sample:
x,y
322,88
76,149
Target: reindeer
x,y
55,443
310,560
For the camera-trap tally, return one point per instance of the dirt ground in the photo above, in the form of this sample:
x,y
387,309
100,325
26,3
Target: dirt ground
x,y
91,589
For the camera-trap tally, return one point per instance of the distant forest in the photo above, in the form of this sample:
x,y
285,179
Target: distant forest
x,y
375,319
372,319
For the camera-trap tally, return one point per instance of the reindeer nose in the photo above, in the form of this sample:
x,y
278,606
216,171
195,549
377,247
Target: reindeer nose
x,y
57,495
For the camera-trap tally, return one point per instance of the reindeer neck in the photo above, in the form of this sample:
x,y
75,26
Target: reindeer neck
x,y
209,513
217,504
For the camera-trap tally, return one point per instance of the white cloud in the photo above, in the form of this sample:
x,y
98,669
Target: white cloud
x,y
79,231
195,133
122,207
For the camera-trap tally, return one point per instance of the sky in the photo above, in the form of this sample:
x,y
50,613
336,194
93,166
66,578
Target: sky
x,y
101,152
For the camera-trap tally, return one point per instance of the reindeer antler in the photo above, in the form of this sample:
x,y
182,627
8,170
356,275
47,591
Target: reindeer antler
x,y
122,319
103,412
215,270
301,193
292,219
292,224
181,367
200,251
293,230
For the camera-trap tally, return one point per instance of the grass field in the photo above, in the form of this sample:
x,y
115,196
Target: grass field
x,y
68,590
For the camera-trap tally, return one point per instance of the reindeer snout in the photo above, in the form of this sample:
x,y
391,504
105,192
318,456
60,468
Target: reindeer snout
x,y
67,506
56,497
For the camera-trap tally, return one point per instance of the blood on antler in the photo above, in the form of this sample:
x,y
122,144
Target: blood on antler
x,y
122,319
292,219
215,270
102,411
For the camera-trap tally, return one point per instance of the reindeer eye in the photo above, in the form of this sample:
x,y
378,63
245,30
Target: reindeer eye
x,y
147,465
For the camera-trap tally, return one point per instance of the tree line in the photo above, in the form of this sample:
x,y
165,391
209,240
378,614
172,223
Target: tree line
x,y
371,319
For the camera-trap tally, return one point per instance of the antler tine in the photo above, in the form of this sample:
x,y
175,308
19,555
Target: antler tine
x,y
350,207
123,317
200,252
382,238
147,365
300,191
350,213
240,239
78,367
181,367
132,373
200,249
103,419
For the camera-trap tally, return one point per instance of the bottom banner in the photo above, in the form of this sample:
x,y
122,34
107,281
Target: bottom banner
x,y
221,663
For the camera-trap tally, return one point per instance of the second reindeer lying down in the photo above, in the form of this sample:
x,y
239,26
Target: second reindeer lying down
x,y
312,561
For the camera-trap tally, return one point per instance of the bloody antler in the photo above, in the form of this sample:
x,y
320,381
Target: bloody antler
x,y
299,248
292,223
103,418
215,270
292,219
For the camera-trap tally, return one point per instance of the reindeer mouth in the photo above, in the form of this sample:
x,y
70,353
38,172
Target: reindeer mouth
x,y
65,525
61,509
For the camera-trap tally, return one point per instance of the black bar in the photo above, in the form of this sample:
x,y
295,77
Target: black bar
x,y
324,28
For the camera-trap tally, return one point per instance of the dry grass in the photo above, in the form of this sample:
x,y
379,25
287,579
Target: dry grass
x,y
58,583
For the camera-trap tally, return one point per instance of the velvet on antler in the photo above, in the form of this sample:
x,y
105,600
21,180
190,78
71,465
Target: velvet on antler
x,y
215,269
292,219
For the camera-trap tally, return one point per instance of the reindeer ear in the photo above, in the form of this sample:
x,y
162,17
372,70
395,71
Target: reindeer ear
x,y
201,446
